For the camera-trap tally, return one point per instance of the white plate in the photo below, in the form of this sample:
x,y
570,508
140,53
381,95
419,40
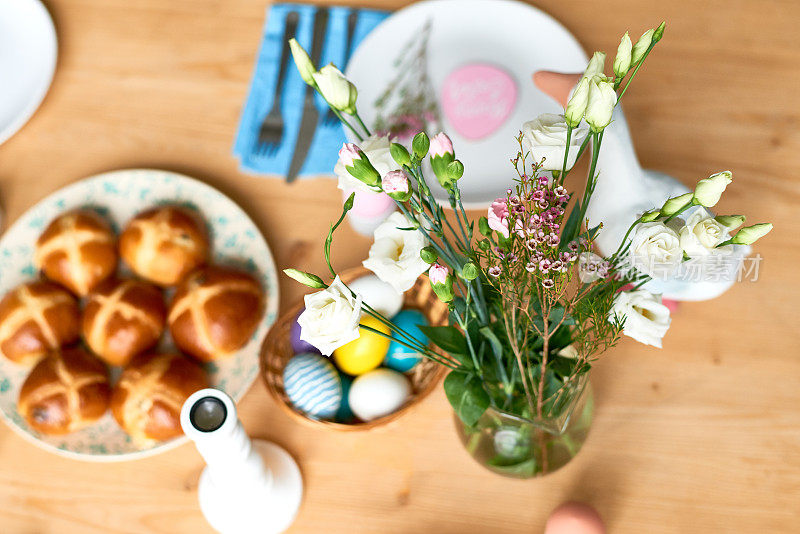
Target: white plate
x,y
28,50
119,196
515,37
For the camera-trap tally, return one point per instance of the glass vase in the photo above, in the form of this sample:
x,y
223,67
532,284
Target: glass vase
x,y
521,447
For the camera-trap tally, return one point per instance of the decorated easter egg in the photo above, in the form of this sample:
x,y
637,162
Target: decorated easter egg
x,y
313,385
298,345
402,358
378,294
574,518
365,353
378,393
345,414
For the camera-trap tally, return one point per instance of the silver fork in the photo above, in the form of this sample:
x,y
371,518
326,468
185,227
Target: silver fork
x,y
330,118
271,131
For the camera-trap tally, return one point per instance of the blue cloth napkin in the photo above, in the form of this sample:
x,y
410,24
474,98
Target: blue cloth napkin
x,y
323,153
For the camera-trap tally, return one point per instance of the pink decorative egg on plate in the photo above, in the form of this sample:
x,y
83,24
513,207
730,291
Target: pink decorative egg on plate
x,y
477,99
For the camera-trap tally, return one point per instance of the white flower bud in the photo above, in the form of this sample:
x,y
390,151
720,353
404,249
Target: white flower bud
x,y
622,63
641,46
304,64
602,99
576,106
596,66
674,204
730,221
336,89
709,190
750,234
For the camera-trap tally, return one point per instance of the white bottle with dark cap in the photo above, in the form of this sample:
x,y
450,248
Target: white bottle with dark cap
x,y
248,486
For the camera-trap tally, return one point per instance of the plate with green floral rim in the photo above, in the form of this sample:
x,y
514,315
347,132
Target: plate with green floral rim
x,y
119,195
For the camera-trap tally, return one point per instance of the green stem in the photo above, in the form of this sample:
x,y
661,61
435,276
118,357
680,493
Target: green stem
x,y
638,65
427,353
410,340
361,123
343,121
686,207
597,138
566,152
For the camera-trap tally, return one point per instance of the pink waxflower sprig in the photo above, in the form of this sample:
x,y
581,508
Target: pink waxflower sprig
x,y
523,233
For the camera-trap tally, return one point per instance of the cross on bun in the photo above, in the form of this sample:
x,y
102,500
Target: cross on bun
x,y
65,392
77,250
123,318
37,318
147,400
214,312
164,244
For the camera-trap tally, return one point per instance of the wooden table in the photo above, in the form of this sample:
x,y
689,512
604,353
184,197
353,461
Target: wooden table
x,y
702,436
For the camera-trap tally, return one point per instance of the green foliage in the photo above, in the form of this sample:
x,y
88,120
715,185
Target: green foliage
x,y
466,395
483,227
572,226
448,338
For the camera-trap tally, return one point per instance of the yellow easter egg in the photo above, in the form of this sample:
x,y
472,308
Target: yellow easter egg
x,y
365,353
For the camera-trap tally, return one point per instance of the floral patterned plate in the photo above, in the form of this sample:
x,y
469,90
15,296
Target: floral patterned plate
x,y
119,195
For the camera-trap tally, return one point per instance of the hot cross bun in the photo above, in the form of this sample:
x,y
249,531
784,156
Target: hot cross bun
x,y
77,250
37,318
65,392
214,312
123,318
147,400
164,244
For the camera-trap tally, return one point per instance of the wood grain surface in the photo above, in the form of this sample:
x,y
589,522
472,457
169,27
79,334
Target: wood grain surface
x,y
702,436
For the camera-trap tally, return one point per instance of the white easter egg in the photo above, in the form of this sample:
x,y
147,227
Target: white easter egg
x,y
378,294
378,393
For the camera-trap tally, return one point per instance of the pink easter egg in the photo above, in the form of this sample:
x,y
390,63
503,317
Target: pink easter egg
x,y
574,518
368,204
477,99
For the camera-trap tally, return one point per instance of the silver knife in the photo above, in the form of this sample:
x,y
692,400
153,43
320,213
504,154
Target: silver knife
x,y
308,122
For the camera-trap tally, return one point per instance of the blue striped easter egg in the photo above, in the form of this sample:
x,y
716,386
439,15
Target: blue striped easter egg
x,y
313,385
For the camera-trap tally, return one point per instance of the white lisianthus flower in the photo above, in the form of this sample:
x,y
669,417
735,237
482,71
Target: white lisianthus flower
x,y
395,255
331,317
336,89
702,233
646,318
656,249
377,150
600,107
546,137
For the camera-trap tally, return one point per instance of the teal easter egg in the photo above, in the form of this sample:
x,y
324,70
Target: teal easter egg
x,y
313,385
399,357
345,414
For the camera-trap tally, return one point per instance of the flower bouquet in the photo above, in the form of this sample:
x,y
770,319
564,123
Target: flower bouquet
x,y
532,303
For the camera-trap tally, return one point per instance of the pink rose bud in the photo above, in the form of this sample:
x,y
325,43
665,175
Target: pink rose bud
x,y
349,153
441,145
438,274
395,182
